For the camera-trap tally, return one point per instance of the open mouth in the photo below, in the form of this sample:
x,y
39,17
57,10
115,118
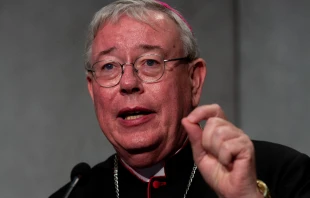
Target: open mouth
x,y
131,114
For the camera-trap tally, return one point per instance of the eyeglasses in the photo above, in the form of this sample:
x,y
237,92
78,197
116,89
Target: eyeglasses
x,y
149,68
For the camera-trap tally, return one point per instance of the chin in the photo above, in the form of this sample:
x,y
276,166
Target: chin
x,y
139,143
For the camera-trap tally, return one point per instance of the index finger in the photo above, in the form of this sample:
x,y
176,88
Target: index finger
x,y
205,112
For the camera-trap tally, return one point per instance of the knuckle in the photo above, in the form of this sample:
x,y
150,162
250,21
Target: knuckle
x,y
225,154
213,121
248,144
204,144
246,139
226,147
219,111
216,106
220,132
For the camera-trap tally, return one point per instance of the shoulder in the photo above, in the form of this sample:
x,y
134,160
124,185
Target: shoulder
x,y
285,170
274,148
275,156
266,151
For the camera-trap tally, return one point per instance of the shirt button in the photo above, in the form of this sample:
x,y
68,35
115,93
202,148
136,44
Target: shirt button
x,y
157,184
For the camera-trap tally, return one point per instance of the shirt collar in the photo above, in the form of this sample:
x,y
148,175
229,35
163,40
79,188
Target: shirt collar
x,y
158,169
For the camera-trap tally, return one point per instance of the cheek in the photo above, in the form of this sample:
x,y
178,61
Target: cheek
x,y
98,100
175,95
103,109
102,102
103,97
180,88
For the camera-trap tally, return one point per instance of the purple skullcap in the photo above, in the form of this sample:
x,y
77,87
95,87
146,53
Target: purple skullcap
x,y
176,12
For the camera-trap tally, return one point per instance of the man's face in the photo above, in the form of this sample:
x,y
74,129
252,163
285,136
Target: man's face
x,y
142,120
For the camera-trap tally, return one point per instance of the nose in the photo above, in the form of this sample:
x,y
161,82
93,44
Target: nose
x,y
130,83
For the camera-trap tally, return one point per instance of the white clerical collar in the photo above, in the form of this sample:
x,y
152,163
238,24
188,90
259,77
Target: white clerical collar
x,y
146,173
154,171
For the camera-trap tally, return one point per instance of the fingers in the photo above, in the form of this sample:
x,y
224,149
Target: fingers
x,y
195,135
194,130
191,125
235,149
205,112
223,154
219,138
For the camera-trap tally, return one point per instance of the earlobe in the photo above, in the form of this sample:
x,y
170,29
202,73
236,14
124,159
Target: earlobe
x,y
198,74
90,86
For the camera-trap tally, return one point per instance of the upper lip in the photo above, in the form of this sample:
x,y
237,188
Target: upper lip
x,y
133,111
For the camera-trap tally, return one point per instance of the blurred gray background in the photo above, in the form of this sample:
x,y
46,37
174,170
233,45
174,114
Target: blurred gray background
x,y
258,66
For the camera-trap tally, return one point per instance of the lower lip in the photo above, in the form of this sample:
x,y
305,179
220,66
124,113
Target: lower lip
x,y
136,122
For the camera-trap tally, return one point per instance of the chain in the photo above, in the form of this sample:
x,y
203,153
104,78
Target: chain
x,y
190,180
116,178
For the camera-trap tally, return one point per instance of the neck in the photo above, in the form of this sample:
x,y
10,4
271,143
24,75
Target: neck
x,y
146,173
155,170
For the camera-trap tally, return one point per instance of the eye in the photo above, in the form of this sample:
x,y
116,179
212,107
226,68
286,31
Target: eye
x,y
105,66
108,66
150,62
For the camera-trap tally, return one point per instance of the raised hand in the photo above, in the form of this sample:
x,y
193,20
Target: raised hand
x,y
223,154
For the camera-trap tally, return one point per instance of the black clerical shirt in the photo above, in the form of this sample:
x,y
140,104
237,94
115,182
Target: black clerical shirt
x,y
284,170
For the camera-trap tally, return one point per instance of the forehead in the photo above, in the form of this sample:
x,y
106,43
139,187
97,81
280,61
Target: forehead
x,y
127,35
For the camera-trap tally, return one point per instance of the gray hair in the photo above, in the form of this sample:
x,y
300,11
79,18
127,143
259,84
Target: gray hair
x,y
139,10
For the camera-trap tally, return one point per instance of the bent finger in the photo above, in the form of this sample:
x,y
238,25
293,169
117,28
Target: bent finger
x,y
205,112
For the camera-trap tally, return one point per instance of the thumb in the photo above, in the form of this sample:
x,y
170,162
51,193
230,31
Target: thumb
x,y
194,133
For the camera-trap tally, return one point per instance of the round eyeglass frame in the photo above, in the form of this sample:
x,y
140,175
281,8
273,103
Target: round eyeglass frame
x,y
93,72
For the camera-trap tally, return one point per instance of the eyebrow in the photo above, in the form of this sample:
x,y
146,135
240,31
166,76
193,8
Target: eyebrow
x,y
145,47
107,51
150,47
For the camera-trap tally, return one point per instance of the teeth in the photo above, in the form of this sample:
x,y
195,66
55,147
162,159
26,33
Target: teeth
x,y
131,117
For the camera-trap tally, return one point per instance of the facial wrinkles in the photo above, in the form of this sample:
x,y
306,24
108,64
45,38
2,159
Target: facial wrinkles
x,y
129,35
125,45
158,95
121,39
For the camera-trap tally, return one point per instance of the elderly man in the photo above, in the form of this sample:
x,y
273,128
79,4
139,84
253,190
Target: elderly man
x,y
145,79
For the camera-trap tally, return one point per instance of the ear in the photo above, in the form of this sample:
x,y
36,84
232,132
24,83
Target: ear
x,y
198,72
90,79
